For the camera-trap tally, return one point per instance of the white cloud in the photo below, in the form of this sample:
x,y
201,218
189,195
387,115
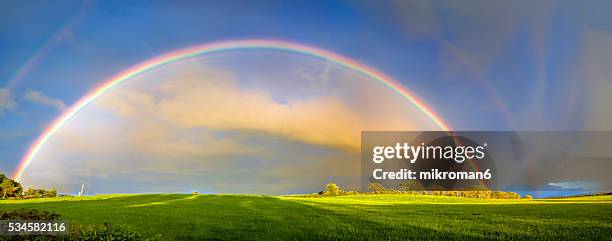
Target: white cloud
x,y
7,101
575,185
40,98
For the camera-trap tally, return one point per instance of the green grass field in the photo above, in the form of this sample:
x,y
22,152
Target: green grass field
x,y
374,217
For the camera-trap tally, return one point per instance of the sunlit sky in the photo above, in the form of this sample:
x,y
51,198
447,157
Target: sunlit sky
x,y
479,65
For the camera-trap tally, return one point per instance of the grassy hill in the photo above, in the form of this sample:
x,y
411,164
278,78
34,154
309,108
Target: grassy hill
x,y
375,217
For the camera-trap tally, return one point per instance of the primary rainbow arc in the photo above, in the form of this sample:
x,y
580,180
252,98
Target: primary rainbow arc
x,y
185,53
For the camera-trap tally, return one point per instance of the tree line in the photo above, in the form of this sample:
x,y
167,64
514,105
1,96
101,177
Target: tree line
x,y
414,187
10,188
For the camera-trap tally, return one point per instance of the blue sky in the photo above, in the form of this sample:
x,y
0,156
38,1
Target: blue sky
x,y
480,65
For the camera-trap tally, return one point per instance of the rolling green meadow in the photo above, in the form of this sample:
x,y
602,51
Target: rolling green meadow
x,y
360,217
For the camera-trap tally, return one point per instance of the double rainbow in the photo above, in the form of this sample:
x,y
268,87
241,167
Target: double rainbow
x,y
189,52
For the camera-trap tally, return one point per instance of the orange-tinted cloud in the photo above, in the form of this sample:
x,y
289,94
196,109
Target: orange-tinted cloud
x,y
194,125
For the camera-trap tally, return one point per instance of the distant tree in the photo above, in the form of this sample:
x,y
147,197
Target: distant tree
x,y
331,189
52,193
411,185
30,192
477,187
376,187
528,196
37,193
40,192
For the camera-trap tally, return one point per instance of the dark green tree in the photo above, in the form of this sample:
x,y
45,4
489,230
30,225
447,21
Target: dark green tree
x,y
411,185
376,187
52,192
10,188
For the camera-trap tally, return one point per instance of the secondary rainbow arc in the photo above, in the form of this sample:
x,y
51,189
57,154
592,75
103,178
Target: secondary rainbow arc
x,y
185,53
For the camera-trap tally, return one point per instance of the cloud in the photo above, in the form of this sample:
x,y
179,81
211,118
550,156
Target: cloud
x,y
40,98
195,127
202,97
320,77
221,104
575,185
7,101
